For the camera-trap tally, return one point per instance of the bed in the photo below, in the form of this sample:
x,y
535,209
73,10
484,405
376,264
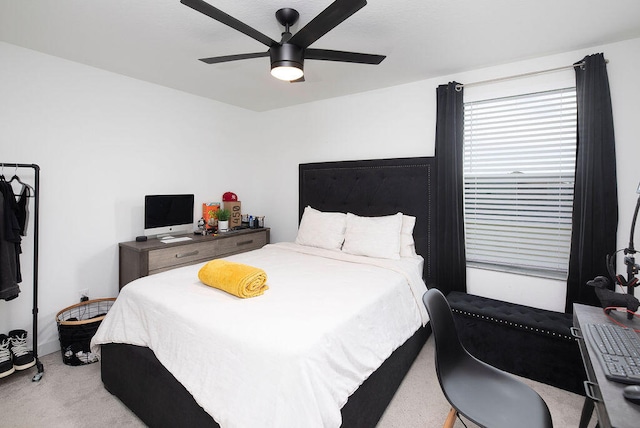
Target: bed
x,y
134,373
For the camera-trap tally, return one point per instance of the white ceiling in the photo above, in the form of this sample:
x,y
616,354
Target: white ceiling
x,y
160,41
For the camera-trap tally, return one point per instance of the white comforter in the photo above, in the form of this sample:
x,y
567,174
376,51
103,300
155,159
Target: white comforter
x,y
288,358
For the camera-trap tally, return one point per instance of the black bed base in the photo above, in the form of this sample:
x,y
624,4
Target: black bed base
x,y
134,375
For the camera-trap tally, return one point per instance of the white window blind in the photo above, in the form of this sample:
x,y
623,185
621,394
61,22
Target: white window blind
x,y
519,169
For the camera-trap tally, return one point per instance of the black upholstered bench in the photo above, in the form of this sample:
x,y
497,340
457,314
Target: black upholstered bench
x,y
529,342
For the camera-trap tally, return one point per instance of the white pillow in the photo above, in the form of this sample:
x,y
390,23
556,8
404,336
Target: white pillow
x,y
321,229
407,244
373,236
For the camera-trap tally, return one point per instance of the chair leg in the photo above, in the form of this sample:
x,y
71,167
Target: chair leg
x,y
451,419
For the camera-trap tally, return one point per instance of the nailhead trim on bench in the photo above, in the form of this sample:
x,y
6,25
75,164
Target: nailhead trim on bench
x,y
522,326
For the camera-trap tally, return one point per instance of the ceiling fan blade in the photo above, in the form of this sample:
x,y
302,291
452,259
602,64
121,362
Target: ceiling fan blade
x,y
328,19
227,58
220,16
330,55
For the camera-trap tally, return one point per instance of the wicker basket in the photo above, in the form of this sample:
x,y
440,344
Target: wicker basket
x,y
76,326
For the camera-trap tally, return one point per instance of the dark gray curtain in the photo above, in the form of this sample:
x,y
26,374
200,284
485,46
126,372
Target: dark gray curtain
x,y
449,260
595,200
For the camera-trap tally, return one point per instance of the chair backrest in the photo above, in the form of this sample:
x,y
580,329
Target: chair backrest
x,y
484,394
449,349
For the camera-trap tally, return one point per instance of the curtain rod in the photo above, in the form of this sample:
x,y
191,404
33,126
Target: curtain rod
x,y
459,86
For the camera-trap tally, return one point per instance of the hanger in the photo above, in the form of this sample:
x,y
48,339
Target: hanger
x,y
15,177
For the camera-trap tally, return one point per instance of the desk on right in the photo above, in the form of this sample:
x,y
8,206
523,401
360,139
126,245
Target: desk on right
x,y
612,409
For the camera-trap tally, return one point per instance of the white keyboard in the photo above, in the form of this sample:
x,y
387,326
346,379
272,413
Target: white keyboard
x,y
172,240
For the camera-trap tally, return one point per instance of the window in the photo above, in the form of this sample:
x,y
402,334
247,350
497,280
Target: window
x,y
519,170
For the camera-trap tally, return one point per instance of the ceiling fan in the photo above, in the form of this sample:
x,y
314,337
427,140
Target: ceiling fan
x,y
288,55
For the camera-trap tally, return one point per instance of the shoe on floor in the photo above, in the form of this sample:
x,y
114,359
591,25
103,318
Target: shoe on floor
x,y
6,364
22,356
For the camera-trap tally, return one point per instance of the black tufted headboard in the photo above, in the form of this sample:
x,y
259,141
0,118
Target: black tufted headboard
x,y
374,188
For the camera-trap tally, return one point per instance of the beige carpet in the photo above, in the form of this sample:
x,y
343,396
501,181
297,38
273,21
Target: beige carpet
x,y
73,397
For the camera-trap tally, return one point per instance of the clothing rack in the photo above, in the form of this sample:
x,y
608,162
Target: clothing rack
x,y
34,311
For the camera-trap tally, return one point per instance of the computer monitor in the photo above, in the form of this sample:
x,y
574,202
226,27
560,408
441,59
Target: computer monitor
x,y
168,215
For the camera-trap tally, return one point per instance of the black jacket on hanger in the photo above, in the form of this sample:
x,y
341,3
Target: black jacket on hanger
x,y
10,275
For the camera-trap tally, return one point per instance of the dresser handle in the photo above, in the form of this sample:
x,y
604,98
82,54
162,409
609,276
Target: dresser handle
x,y
244,242
191,253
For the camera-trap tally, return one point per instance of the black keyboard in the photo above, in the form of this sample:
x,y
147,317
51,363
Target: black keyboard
x,y
618,349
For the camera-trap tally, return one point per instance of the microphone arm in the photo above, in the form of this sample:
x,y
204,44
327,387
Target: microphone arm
x,y
629,260
633,226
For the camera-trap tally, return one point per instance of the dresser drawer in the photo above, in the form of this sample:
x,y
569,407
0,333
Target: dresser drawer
x,y
181,255
138,259
237,244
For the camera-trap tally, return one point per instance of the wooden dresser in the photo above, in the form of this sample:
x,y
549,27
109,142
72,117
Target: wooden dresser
x,y
138,259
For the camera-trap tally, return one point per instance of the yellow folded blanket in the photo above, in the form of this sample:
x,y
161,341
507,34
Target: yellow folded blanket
x,y
235,278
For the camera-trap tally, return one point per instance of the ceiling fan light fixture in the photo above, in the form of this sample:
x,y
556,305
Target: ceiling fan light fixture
x,y
287,62
287,72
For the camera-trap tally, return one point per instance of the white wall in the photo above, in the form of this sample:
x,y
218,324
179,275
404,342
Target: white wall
x,y
103,141
395,122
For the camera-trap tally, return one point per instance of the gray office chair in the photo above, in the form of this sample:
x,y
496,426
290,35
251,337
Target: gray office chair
x,y
483,394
